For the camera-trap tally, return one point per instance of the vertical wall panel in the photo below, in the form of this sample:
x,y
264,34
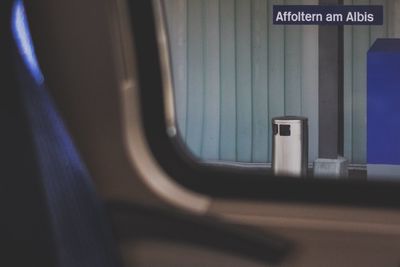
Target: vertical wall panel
x,y
378,31
195,76
276,66
395,6
309,83
361,41
228,81
210,146
176,18
260,81
393,11
293,84
390,19
243,80
348,89
396,18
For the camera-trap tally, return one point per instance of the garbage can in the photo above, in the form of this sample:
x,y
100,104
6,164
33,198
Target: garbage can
x,y
290,146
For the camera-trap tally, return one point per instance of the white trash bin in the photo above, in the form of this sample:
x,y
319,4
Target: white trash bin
x,y
290,146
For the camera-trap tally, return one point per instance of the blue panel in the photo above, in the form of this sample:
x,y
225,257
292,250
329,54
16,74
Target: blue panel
x,y
384,102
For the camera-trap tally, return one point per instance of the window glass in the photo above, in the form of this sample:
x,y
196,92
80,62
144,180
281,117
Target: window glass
x,y
234,71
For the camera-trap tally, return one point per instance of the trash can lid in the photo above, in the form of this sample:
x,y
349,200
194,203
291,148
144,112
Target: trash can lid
x,y
290,119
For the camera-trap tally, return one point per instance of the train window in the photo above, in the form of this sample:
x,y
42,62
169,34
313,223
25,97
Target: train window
x,y
244,108
234,71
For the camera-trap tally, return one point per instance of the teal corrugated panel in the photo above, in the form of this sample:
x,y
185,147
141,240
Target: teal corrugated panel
x,y
243,80
309,81
276,68
227,81
293,66
260,142
195,76
210,148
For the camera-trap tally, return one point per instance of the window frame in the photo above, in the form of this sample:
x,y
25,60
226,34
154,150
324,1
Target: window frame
x,y
229,182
